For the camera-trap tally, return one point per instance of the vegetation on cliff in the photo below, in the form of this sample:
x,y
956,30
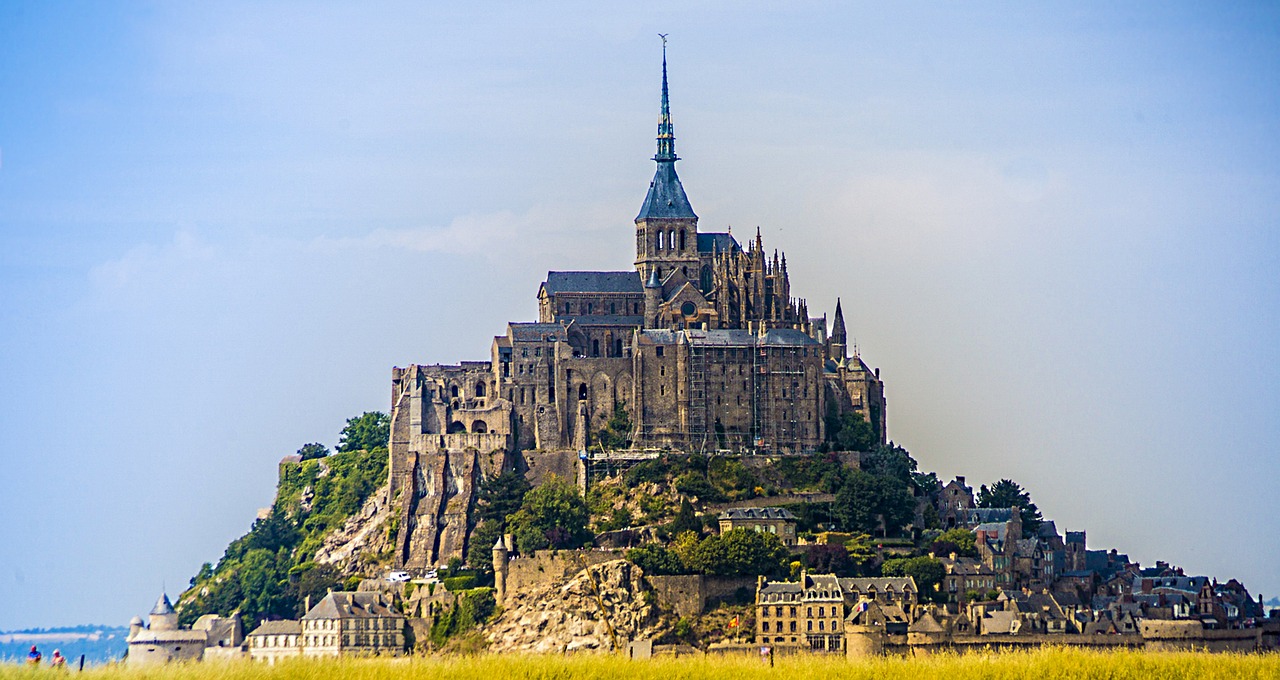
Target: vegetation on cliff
x,y
269,572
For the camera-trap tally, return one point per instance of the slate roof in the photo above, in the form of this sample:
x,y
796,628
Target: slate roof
x,y
927,624
757,513
666,198
721,242
163,606
605,320
350,606
781,587
534,332
286,627
592,282
880,583
726,337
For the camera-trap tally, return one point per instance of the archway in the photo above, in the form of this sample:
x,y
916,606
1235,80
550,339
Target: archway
x,y
456,427
479,427
480,388
582,392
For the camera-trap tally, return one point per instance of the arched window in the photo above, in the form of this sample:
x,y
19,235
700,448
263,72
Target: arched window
x,y
480,389
453,390
706,279
479,427
671,239
617,347
457,427
582,392
595,348
661,237
681,240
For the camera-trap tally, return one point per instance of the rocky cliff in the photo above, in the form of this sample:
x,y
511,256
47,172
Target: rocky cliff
x,y
575,614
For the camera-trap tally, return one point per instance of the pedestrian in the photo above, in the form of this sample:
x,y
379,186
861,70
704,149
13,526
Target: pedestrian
x,y
33,657
57,660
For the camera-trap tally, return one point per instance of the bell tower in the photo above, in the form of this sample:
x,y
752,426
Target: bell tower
x,y
666,228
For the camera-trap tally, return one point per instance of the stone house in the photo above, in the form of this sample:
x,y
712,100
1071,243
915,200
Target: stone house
x,y
361,624
954,500
162,640
777,521
815,611
275,640
965,574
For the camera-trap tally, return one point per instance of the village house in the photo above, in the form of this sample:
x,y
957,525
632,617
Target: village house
x,y
275,640
777,521
344,624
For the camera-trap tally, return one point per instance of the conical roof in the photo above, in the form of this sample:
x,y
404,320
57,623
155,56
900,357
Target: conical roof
x,y
163,606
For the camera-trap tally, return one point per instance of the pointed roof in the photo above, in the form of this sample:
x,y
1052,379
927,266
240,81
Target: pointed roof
x,y
163,606
837,326
666,197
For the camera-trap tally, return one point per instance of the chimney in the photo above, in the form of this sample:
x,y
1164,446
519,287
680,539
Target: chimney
x,y
960,480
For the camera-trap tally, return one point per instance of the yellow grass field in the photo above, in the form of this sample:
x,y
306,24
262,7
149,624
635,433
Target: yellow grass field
x,y
1039,664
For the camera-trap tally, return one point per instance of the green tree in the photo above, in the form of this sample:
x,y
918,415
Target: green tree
x,y
366,431
962,542
740,552
553,515
849,431
829,558
656,560
685,519
1007,493
501,496
313,451
927,572
865,500
616,433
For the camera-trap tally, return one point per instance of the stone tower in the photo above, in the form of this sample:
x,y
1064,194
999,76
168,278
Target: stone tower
x,y
500,566
666,228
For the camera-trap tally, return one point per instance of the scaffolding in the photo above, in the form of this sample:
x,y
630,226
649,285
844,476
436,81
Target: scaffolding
x,y
697,417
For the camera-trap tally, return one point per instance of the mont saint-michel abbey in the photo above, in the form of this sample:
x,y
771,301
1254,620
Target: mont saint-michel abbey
x,y
703,345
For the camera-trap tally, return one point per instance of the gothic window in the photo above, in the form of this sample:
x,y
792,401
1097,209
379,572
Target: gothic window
x,y
660,239
595,348
566,307
706,279
671,240
582,392
480,389
681,240
617,348
453,390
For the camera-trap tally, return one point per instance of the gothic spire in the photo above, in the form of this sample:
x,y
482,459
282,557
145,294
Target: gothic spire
x,y
666,198
838,333
666,131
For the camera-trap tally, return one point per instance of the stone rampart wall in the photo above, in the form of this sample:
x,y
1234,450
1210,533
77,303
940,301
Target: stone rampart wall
x,y
546,567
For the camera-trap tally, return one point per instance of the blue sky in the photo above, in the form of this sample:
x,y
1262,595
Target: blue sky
x,y
1053,227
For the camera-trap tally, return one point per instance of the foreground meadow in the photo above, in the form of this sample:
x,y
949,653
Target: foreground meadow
x,y
1038,664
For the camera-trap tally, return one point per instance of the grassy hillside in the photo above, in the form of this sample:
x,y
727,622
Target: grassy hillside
x,y
1044,663
269,571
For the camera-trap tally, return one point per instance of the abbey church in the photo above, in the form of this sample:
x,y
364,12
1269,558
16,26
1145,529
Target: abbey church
x,y
702,345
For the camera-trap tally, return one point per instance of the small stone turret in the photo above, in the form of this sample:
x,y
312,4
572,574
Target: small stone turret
x,y
500,566
162,615
652,299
